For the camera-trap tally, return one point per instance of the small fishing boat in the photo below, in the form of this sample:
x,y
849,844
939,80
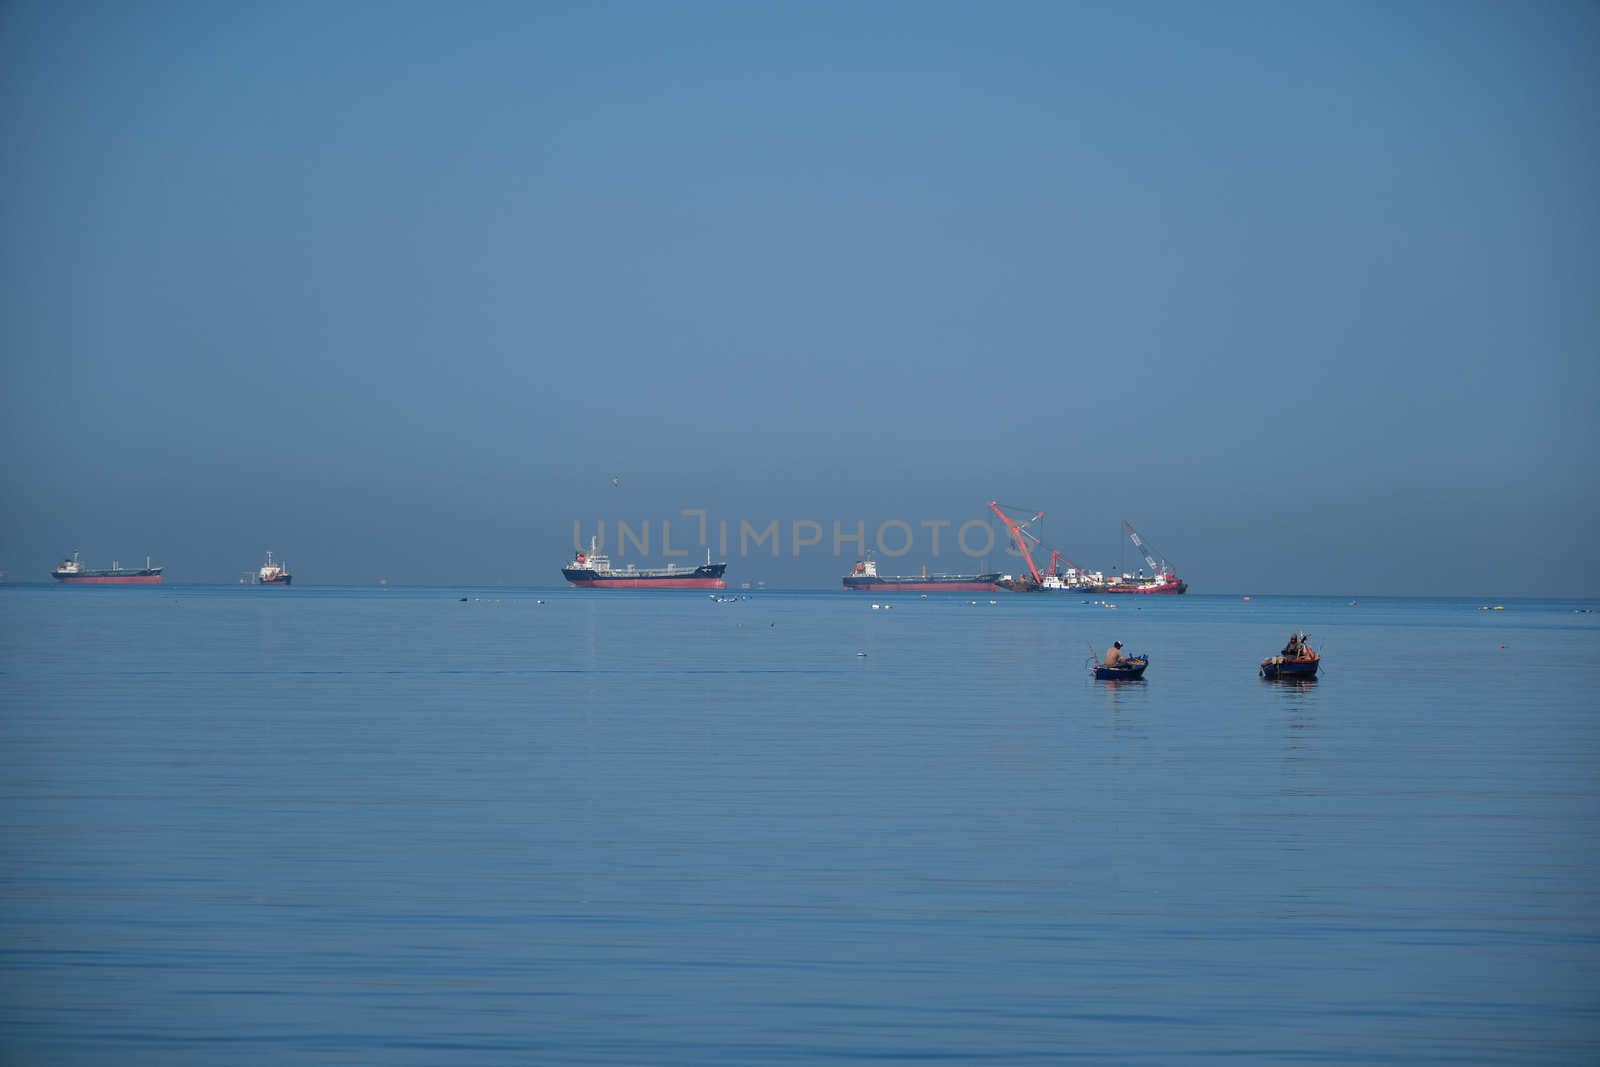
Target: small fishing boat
x,y
1282,667
1297,660
1129,670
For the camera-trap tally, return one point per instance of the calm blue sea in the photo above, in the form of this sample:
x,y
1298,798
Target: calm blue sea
x,y
311,826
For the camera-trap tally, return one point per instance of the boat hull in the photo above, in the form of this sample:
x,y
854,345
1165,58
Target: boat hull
x,y
108,579
955,583
1129,673
282,579
1294,668
685,582
708,576
1173,588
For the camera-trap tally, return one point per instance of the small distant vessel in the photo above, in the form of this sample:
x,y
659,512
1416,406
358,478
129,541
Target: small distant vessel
x,y
593,570
1297,660
273,573
864,577
1128,670
72,572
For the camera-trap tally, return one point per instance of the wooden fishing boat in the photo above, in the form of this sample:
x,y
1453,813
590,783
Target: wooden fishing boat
x,y
1285,667
1297,660
1129,670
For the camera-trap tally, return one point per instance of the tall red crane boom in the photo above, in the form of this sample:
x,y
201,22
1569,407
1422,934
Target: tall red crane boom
x,y
1020,535
1056,559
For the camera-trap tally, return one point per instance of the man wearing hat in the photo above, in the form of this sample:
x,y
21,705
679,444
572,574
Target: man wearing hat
x,y
1114,654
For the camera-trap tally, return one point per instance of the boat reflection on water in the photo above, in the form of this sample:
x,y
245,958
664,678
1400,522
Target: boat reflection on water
x,y
1131,695
1307,682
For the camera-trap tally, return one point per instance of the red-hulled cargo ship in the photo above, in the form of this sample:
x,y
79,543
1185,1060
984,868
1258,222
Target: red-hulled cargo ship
x,y
593,570
73,573
864,577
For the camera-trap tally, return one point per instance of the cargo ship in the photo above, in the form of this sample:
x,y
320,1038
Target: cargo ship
x,y
73,573
864,576
272,573
593,570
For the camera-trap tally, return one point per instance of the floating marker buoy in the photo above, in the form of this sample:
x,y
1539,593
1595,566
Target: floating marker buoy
x,y
863,655
1247,598
875,607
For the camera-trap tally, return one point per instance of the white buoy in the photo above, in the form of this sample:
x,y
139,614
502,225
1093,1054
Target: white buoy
x,y
875,607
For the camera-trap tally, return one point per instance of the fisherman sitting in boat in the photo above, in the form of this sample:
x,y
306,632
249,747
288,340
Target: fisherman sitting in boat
x,y
1299,647
1114,654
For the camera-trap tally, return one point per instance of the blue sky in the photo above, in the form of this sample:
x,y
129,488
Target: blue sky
x,y
1305,291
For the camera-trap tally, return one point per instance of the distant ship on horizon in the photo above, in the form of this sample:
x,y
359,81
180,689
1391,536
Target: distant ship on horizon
x,y
593,570
864,577
72,572
272,573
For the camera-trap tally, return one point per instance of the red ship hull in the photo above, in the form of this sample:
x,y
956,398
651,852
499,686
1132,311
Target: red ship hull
x,y
921,587
648,583
1173,587
135,579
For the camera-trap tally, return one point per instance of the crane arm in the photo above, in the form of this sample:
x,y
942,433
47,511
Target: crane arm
x,y
1020,536
1133,535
